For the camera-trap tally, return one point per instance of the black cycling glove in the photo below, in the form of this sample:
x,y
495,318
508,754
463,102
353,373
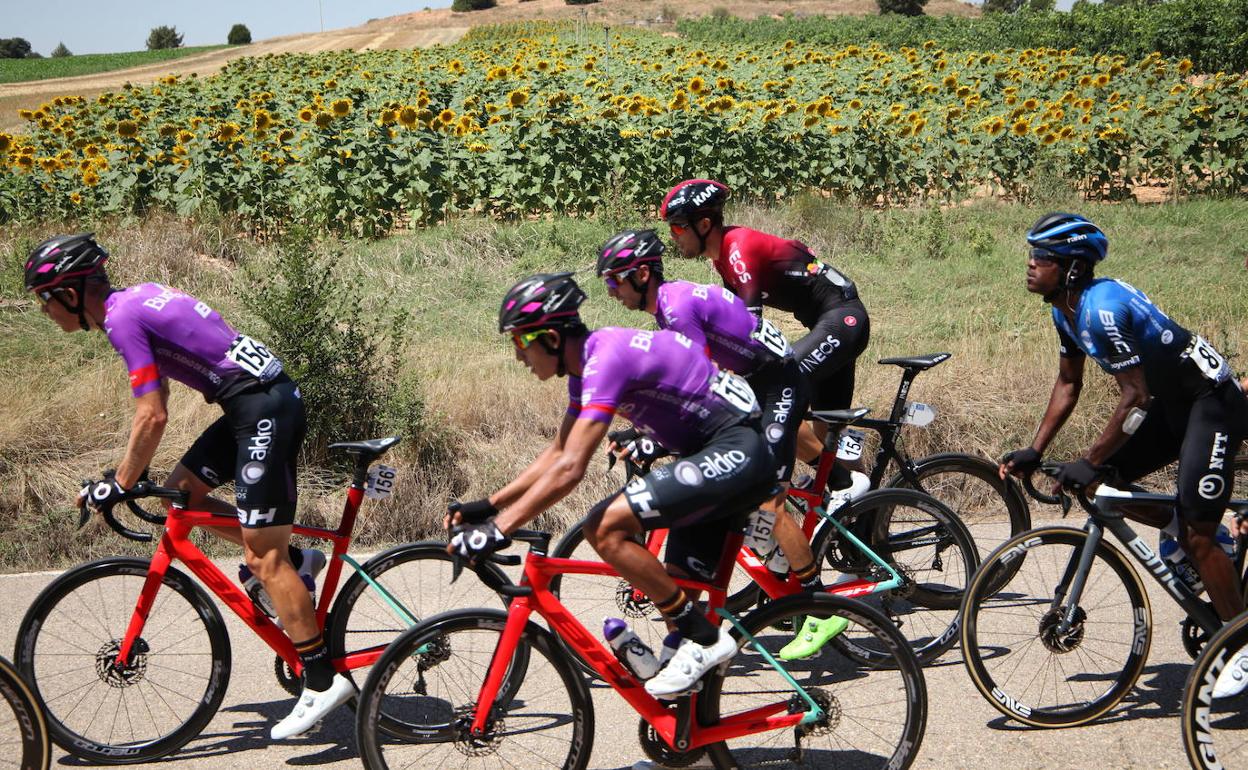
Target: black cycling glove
x,y
1025,460
641,447
472,541
1078,475
473,512
102,495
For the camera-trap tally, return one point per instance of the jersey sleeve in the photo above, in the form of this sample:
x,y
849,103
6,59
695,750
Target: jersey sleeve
x,y
602,382
741,270
574,395
130,340
1112,326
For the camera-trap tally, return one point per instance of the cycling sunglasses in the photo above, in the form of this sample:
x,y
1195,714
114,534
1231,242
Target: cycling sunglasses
x,y
678,228
1044,255
524,341
614,280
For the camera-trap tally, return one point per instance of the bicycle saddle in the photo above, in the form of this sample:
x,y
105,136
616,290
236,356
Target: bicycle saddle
x,y
840,416
370,449
918,363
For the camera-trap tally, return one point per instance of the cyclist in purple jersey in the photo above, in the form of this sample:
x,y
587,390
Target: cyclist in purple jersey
x,y
631,264
665,387
164,334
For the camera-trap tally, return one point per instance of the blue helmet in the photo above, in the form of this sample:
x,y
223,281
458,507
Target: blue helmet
x,y
1068,237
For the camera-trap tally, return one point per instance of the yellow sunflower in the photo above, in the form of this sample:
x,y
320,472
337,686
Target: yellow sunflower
x,y
306,115
90,178
1020,128
323,119
341,107
127,129
261,120
446,116
517,98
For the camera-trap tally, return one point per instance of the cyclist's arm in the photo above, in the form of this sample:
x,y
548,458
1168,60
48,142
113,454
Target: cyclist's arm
x,y
541,464
561,477
1062,400
147,428
1134,396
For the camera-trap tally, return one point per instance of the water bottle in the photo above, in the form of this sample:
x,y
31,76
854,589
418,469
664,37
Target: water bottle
x,y
631,651
255,590
1169,548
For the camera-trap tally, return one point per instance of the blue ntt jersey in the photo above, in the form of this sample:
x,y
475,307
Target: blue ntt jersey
x,y
1120,328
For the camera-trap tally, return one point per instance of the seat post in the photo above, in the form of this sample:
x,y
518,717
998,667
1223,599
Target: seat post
x,y
903,391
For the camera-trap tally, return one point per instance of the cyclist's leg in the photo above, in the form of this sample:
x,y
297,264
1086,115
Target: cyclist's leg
x,y
208,464
1215,430
1153,446
827,357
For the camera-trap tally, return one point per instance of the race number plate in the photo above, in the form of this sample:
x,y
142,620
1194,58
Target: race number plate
x,y
735,391
769,336
850,446
254,358
380,482
1207,359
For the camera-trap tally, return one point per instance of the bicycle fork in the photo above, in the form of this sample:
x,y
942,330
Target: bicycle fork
x,y
147,599
1076,577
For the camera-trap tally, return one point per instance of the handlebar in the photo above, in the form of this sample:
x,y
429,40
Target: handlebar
x,y
140,490
1061,498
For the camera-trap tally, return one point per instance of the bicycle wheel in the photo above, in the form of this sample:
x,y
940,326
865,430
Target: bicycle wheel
x,y
173,685
1011,643
430,678
925,542
992,510
590,598
1215,730
24,741
872,717
418,577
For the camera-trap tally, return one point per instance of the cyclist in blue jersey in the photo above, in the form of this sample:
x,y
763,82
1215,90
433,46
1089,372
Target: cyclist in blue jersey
x,y
718,321
164,334
1177,398
660,383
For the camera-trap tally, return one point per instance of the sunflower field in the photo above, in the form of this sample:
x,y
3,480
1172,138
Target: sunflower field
x,y
535,118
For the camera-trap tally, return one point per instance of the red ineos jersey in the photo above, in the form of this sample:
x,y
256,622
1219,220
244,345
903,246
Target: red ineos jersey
x,y
762,269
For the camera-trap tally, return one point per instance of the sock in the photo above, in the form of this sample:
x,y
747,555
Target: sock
x,y
296,555
318,672
691,623
809,577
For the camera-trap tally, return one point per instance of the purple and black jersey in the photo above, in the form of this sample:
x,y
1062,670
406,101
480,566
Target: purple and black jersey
x,y
161,332
718,320
662,383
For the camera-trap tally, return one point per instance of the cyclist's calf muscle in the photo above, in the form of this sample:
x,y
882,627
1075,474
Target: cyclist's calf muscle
x,y
1215,568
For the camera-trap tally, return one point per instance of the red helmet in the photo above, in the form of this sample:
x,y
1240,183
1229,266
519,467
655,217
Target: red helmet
x,y
692,198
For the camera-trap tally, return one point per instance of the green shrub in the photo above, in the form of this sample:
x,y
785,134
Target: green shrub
x,y
903,7
163,37
239,35
14,48
60,52
472,5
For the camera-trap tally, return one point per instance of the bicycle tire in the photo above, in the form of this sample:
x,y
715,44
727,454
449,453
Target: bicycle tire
x,y
414,643
828,680
40,623
931,600
1137,618
1202,717
33,745
983,514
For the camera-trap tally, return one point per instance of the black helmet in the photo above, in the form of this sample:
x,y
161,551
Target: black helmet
x,y
542,301
692,198
1067,237
59,259
628,250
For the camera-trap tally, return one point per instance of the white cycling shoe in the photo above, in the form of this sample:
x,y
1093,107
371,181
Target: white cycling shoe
x,y
1234,678
312,707
689,664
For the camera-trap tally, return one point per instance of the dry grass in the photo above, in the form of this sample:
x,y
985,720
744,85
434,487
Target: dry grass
x,y
932,281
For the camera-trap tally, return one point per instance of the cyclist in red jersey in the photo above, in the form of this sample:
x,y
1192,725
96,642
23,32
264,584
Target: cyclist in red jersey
x,y
164,334
764,270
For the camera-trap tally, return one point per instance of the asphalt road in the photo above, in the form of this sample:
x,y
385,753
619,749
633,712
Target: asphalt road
x,y
962,730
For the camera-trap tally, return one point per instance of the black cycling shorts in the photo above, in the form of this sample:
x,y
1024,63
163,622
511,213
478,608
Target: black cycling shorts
x,y
784,396
1204,435
827,354
256,445
703,497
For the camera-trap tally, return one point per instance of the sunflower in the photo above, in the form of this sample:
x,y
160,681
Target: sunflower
x,y
855,104
75,198
407,116
90,178
226,132
50,165
1020,128
810,121
697,85
306,115
478,147
25,162
127,129
1031,104
994,126
517,98
543,65
323,119
6,142
447,116
185,136
285,135
1101,80
261,120
341,107
1185,66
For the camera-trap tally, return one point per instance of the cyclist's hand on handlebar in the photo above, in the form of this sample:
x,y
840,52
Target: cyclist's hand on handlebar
x,y
631,442
473,512
104,493
1020,462
1080,475
473,541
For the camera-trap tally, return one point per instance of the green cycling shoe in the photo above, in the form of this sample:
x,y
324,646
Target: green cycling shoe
x,y
814,634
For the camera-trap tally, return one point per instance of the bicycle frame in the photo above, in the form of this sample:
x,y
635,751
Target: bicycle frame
x,y
175,543
1104,516
674,726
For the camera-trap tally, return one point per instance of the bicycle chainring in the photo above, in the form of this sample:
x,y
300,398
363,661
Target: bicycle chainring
x,y
114,675
286,676
626,599
1194,637
660,753
1057,642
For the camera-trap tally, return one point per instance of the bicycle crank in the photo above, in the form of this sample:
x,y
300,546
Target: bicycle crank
x,y
660,753
1052,636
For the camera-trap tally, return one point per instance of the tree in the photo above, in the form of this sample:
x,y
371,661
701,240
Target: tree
x,y
1002,6
163,37
60,52
239,35
14,48
471,5
903,7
